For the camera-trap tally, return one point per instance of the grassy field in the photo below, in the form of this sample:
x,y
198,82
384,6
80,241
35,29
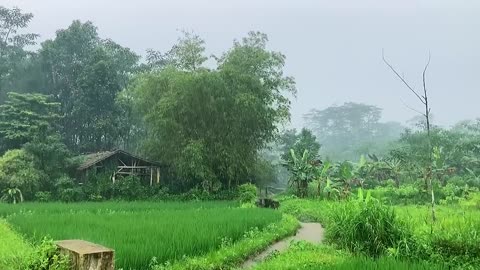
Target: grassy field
x,y
306,256
13,248
140,231
451,241
449,219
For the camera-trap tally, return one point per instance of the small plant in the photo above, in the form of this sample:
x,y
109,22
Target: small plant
x,y
47,257
247,193
43,196
129,188
12,195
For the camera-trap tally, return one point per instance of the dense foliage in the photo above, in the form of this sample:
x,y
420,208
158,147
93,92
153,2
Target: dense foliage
x,y
89,94
209,124
352,129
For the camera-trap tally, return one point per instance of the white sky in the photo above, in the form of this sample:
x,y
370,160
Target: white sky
x,y
333,48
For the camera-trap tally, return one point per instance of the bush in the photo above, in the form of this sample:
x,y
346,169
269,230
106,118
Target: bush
x,y
17,171
43,196
46,257
98,187
367,227
129,188
67,190
247,193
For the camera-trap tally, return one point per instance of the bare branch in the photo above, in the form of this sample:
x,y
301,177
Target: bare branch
x,y
411,108
402,79
423,76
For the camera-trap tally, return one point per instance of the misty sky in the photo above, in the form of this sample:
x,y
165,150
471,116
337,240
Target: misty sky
x,y
333,48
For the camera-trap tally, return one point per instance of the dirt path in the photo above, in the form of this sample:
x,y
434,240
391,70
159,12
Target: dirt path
x,y
310,232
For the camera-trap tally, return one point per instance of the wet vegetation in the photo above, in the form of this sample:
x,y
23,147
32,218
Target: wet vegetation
x,y
389,195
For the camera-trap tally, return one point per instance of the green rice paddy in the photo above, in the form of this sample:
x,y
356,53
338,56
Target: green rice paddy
x,y
140,231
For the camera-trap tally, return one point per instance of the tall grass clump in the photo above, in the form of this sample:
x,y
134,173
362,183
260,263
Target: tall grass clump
x,y
368,227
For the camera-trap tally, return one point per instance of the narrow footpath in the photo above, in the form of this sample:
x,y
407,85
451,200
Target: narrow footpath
x,y
310,232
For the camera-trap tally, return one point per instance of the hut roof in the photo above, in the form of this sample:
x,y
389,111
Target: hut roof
x,y
89,160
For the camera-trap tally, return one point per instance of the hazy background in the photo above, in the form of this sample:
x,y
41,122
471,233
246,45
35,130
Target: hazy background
x,y
333,48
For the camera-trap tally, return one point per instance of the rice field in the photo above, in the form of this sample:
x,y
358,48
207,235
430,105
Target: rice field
x,y
140,231
59,207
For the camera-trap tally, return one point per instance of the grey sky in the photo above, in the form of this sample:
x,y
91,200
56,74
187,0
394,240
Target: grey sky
x,y
333,48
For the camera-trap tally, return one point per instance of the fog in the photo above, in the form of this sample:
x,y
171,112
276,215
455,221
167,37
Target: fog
x,y
333,48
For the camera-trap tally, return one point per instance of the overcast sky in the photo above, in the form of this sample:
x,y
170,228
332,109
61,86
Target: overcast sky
x,y
333,48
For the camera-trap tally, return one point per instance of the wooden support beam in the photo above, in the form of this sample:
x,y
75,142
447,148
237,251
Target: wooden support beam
x,y
122,162
129,173
151,176
134,167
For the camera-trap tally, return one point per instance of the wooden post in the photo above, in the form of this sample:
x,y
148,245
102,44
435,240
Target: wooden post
x,y
87,256
151,176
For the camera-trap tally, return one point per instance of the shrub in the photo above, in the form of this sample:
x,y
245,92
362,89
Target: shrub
x,y
98,187
67,190
129,188
367,227
17,171
43,196
247,193
46,256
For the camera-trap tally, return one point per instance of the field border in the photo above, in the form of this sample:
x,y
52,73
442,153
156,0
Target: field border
x,y
232,255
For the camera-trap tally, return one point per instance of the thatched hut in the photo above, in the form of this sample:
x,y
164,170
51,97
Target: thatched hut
x,y
119,163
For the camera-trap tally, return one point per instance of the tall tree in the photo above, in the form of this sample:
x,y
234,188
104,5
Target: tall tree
x,y
189,52
85,74
210,124
24,116
351,130
13,56
300,142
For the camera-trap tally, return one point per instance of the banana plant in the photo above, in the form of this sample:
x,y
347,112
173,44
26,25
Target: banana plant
x,y
302,171
322,175
395,167
331,188
348,175
12,195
